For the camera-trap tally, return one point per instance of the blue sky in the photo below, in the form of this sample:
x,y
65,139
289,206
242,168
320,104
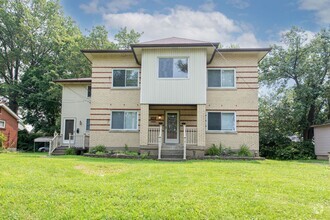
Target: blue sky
x,y
249,23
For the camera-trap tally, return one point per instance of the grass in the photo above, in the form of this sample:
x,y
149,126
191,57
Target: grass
x,y
34,186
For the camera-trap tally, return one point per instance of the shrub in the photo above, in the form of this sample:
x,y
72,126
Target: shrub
x,y
227,151
126,147
99,153
213,150
98,148
244,151
70,151
296,151
2,140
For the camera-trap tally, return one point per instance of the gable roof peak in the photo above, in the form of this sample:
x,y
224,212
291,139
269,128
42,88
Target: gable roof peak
x,y
174,40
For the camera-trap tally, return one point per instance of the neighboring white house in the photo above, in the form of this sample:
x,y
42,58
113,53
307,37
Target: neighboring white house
x,y
75,115
322,140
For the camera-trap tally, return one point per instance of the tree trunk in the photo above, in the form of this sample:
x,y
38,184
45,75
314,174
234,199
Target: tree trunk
x,y
308,132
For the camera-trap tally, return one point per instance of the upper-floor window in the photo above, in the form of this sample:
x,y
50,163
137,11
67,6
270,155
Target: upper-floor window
x,y
221,121
89,91
124,120
173,67
2,124
125,78
221,78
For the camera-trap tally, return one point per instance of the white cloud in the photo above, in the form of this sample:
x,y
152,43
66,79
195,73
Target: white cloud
x,y
90,8
209,5
321,7
184,22
114,6
240,4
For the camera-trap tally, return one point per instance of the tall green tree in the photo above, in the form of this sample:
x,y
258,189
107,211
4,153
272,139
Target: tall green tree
x,y
125,38
300,68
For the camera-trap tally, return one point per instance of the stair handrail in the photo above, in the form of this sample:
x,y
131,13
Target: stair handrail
x,y
53,144
160,139
184,142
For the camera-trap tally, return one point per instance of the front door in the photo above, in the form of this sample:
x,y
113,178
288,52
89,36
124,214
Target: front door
x,y
68,129
172,127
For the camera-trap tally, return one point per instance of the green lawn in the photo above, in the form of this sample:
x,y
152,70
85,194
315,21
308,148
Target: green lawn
x,y
34,186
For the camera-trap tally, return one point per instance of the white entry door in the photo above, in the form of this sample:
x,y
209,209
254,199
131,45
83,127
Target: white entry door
x,y
69,127
172,127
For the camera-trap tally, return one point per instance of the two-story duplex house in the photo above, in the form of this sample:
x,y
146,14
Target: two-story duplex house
x,y
172,93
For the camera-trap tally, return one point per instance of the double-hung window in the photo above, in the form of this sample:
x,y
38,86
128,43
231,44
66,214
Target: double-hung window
x,y
124,120
221,78
221,121
128,78
2,124
176,67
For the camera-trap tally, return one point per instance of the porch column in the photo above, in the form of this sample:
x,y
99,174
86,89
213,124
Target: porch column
x,y
144,124
201,125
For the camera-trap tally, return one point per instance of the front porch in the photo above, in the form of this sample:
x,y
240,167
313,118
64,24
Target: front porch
x,y
172,131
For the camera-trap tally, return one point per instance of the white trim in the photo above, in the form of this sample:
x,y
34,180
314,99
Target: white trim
x,y
137,121
66,141
173,57
220,87
9,111
177,140
126,87
221,131
4,124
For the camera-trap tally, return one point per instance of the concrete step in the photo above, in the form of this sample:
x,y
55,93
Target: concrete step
x,y
172,156
172,159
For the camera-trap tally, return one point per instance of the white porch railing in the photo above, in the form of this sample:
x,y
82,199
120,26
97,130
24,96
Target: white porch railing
x,y
191,133
79,140
54,143
153,133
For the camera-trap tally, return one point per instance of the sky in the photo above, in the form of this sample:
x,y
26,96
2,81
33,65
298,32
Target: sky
x,y
247,23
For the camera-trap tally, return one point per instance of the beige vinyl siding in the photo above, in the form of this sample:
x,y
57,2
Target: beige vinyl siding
x,y
173,91
322,140
75,105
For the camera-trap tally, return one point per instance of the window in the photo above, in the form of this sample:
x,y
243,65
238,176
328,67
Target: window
x,y
88,124
124,120
2,124
221,78
89,91
173,68
125,78
221,121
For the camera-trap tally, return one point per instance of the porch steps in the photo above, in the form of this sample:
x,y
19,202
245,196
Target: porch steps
x,y
172,152
60,150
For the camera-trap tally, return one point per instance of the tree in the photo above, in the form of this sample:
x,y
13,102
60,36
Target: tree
x,y
126,38
300,68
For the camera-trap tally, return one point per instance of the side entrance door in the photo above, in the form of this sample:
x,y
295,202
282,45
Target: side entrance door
x,y
172,127
69,127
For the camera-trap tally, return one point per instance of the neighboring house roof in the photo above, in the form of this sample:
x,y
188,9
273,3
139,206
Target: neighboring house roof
x,y
9,111
74,80
322,125
43,139
261,52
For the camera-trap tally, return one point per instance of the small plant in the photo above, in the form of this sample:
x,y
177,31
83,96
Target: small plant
x,y
213,150
70,151
244,151
3,138
126,147
227,151
98,148
99,153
